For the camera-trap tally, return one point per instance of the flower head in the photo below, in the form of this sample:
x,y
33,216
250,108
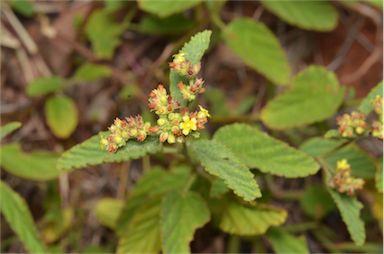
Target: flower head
x,y
188,124
342,180
342,164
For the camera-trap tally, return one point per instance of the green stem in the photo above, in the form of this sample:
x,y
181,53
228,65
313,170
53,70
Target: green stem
x,y
233,244
305,226
189,183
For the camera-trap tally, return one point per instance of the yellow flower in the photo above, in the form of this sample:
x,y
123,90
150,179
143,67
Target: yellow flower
x,y
203,113
179,58
188,124
343,164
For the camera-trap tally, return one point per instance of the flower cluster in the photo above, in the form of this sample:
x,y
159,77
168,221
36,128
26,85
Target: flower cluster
x,y
355,124
351,125
343,182
123,130
174,123
184,67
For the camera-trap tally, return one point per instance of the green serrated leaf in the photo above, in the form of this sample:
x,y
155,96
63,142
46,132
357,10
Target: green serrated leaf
x,y
284,242
258,150
107,211
37,165
258,47
366,104
92,72
315,89
143,232
181,215
43,86
238,219
218,188
61,115
170,25
219,161
139,223
310,15
8,128
194,51
316,202
349,208
103,33
165,8
19,218
89,153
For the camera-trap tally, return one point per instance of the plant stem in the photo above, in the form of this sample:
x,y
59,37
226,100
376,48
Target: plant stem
x,y
189,183
233,245
305,226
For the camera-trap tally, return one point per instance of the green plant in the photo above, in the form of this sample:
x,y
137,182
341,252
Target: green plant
x,y
196,172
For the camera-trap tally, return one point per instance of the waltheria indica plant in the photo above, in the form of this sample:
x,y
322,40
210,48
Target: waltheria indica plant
x,y
228,179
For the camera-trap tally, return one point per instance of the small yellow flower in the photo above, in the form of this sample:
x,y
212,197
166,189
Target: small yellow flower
x,y
188,124
203,113
179,58
343,164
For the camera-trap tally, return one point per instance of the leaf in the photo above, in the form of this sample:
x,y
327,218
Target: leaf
x,y
333,150
9,128
62,116
349,208
166,8
194,51
16,213
23,7
89,153
366,104
314,96
284,242
37,165
310,15
219,161
258,150
43,86
238,219
103,33
316,202
181,215
317,146
108,210
379,176
170,25
362,164
92,72
258,47
218,188
143,233
139,223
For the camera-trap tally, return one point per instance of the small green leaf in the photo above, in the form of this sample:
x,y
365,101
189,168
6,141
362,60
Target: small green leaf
x,y
23,7
366,104
219,161
43,86
92,72
310,15
61,114
317,146
16,213
284,242
169,25
349,208
315,89
108,210
103,33
181,215
316,202
238,219
166,8
258,47
379,176
194,51
258,150
218,188
139,223
8,128
89,153
37,165
143,233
